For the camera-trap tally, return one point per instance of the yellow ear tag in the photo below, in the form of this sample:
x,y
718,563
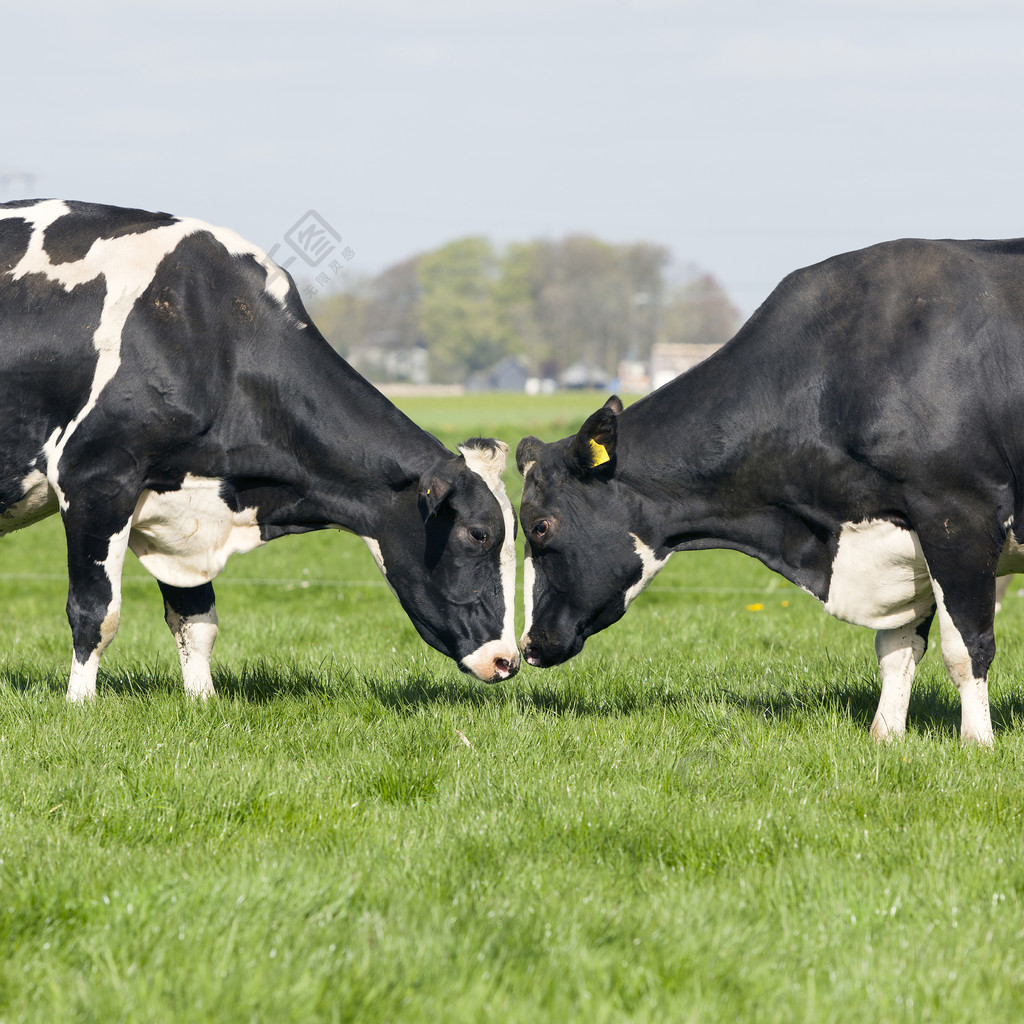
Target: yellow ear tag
x,y
598,454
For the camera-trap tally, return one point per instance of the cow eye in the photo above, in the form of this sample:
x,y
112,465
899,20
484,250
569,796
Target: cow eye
x,y
540,529
480,535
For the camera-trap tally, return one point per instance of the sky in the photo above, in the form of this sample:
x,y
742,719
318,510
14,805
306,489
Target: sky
x,y
750,137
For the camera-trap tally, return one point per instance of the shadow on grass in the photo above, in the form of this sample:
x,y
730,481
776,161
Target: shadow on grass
x,y
23,678
262,682
415,692
934,706
258,682
563,698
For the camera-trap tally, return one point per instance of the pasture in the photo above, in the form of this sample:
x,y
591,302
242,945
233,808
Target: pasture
x,y
688,822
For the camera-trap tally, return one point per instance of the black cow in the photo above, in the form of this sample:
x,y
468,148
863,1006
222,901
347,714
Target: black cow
x,y
858,436
162,387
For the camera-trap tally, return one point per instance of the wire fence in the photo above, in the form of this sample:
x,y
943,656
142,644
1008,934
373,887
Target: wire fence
x,y
256,581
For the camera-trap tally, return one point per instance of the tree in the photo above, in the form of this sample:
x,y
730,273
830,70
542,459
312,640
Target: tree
x,y
459,309
374,323
700,312
457,315
581,300
341,317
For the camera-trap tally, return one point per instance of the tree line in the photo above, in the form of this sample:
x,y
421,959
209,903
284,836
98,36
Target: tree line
x,y
444,315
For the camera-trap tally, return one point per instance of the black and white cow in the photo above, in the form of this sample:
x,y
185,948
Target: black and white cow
x,y
858,436
161,387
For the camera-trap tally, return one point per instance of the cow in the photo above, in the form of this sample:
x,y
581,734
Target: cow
x,y
164,390
856,436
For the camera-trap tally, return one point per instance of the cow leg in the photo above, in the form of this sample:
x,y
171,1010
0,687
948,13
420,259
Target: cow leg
x,y
899,651
191,615
95,561
962,570
961,555
968,647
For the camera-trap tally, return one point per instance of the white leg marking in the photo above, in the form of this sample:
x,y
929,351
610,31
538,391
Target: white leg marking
x,y
195,637
899,651
975,715
82,681
82,684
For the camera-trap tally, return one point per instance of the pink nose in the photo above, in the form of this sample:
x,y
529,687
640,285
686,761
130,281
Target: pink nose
x,y
493,662
504,668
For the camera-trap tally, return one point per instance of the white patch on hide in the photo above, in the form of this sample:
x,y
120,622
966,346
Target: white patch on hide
x,y
37,502
529,573
278,284
374,545
651,565
529,582
128,265
185,537
879,576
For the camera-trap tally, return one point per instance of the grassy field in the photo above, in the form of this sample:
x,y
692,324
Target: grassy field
x,y
687,823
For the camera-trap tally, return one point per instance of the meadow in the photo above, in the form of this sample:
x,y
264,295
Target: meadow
x,y
689,822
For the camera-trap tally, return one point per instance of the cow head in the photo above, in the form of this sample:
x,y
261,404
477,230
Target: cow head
x,y
586,558
447,550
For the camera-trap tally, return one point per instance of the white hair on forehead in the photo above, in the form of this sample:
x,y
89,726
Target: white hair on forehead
x,y
486,457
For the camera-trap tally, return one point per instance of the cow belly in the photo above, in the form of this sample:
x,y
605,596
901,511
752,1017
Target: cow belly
x,y
185,537
879,576
38,501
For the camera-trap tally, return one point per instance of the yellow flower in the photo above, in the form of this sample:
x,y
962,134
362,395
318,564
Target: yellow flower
x,y
755,607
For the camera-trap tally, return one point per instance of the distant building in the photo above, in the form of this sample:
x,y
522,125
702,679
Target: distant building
x,y
380,363
509,374
634,378
584,375
541,386
670,360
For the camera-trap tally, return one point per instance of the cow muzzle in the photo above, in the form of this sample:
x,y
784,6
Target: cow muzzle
x,y
494,662
541,651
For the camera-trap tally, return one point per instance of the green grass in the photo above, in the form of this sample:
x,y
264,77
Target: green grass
x,y
687,823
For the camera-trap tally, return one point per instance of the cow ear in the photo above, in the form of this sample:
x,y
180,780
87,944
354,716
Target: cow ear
x,y
527,452
436,486
593,448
